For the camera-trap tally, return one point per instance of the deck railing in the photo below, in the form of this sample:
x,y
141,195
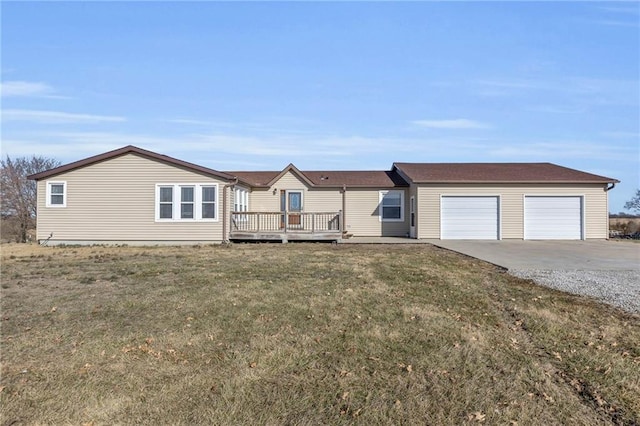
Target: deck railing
x,y
286,222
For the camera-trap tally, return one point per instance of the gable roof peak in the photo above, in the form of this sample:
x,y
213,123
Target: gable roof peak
x,y
291,168
128,150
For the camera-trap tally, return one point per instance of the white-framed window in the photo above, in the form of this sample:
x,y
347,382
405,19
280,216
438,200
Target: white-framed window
x,y
186,202
241,203
57,194
165,202
208,201
391,206
240,200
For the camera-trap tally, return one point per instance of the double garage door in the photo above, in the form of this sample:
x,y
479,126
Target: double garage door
x,y
478,218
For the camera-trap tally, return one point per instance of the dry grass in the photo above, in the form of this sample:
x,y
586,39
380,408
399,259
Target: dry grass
x,y
302,334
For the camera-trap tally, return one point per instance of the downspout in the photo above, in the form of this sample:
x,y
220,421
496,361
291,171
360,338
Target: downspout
x,y
343,226
225,236
607,189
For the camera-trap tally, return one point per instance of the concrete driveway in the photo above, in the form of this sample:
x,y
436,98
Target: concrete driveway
x,y
605,270
551,255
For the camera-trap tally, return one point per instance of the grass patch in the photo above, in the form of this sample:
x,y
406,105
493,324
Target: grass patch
x,y
303,334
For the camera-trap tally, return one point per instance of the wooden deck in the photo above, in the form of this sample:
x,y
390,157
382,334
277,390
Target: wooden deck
x,y
286,226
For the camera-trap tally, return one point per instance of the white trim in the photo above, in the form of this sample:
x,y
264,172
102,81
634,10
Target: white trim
x,y
244,199
49,194
177,201
606,216
499,207
199,201
583,225
381,194
583,213
241,202
193,203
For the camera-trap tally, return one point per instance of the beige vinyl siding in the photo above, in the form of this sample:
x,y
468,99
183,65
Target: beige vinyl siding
x,y
512,205
413,192
114,200
596,212
327,200
224,210
313,199
362,211
363,214
428,212
261,200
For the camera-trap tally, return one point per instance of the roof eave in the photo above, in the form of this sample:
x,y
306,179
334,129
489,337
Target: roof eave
x,y
130,149
374,186
243,182
518,181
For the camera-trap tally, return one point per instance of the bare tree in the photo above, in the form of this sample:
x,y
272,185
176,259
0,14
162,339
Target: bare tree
x,y
18,194
634,203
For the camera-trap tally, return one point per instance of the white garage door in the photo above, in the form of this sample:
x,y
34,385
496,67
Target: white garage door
x,y
469,218
552,218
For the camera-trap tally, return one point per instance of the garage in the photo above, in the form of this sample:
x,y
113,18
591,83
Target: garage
x,y
553,218
470,217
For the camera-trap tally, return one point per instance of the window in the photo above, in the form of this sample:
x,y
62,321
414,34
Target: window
x,y
208,202
241,200
56,194
241,203
186,202
391,206
295,201
166,202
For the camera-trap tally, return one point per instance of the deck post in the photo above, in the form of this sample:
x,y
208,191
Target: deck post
x,y
313,223
258,222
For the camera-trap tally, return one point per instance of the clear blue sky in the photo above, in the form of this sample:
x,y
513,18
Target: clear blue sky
x,y
255,86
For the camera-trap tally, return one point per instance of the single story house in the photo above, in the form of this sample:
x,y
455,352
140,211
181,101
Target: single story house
x,y
135,196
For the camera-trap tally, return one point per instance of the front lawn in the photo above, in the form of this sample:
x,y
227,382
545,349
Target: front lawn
x,y
302,334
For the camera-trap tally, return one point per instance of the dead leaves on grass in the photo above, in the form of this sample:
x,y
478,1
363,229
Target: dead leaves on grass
x,y
408,368
547,397
478,416
147,349
345,406
344,373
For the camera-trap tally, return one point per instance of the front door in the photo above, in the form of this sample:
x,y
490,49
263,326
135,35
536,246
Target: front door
x,y
291,202
412,217
294,207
